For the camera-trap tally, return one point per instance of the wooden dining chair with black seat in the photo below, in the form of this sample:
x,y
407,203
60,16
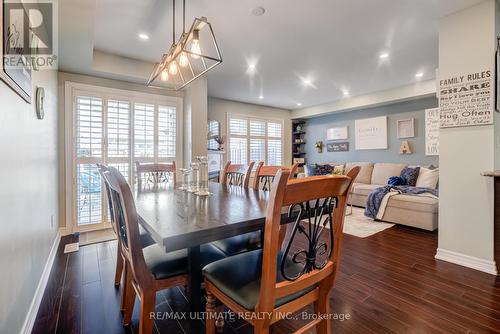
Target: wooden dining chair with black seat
x,y
237,174
264,175
269,283
146,239
155,172
149,269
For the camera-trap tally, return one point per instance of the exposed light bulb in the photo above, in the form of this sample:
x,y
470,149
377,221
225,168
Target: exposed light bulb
x,y
172,68
164,75
183,59
195,45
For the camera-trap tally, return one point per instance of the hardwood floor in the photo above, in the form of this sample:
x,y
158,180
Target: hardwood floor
x,y
388,283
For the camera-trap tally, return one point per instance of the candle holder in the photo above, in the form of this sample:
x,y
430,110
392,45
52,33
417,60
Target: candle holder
x,y
195,176
185,178
203,176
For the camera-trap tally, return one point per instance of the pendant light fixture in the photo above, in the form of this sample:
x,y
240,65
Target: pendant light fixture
x,y
193,55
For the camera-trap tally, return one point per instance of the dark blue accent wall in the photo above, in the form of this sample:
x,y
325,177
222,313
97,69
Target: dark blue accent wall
x,y
316,130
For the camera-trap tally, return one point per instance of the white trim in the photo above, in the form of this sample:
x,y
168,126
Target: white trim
x,y
467,261
29,321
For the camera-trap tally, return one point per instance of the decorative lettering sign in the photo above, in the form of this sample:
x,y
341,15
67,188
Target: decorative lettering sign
x,y
466,100
432,131
337,133
338,147
371,133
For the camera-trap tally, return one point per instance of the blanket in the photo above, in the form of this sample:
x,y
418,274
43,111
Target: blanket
x,y
377,199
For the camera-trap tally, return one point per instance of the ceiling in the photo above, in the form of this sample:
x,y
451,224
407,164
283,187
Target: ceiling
x,y
335,44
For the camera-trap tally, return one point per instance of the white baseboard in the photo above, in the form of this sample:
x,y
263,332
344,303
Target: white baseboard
x,y
29,321
467,261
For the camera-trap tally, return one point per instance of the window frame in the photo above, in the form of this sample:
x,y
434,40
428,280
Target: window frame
x,y
248,137
72,91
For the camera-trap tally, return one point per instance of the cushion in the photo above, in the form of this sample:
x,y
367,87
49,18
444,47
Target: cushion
x,y
365,173
165,265
428,178
410,175
383,171
316,169
396,181
339,170
239,244
239,278
414,203
363,189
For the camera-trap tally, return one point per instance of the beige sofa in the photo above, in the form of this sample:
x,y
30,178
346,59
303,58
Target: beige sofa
x,y
415,211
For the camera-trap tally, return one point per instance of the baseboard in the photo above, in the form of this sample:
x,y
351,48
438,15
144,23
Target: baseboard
x,y
467,261
29,321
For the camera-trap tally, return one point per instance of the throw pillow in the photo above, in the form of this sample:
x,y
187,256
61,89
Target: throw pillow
x,y
324,169
428,178
410,175
339,170
396,181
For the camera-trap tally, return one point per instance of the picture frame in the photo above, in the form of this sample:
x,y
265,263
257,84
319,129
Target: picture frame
x,y
19,80
371,133
337,133
406,128
338,147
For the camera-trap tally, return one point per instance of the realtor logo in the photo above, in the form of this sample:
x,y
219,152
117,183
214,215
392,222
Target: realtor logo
x,y
28,34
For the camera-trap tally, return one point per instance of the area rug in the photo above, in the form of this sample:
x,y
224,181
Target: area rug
x,y
94,237
361,226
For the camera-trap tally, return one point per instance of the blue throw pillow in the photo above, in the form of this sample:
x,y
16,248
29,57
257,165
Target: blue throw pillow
x,y
315,170
410,176
396,181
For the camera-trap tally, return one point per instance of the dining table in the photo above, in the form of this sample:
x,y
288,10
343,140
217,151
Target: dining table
x,y
177,219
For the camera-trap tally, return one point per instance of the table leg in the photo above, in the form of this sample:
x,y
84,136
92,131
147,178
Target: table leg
x,y
348,213
195,279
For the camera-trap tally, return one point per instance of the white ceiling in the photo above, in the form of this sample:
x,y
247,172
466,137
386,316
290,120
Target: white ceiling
x,y
334,43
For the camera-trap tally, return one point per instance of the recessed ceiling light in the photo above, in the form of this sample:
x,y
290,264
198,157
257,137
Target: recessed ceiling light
x,y
143,36
299,104
419,74
251,67
261,97
258,11
384,55
345,92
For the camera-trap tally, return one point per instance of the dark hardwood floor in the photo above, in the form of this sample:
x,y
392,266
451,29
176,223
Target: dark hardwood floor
x,y
388,283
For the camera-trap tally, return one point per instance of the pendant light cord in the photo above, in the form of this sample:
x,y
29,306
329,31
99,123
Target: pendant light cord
x,y
183,16
173,16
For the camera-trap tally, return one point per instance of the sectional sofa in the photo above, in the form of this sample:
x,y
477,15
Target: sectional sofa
x,y
416,211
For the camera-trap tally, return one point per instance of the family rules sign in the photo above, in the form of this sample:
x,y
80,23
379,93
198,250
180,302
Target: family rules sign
x,y
466,100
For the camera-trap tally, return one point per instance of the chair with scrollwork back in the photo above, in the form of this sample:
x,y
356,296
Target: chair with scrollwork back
x,y
237,174
264,175
155,172
286,281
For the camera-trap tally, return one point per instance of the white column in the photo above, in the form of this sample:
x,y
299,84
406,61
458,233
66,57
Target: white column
x,y
467,43
195,120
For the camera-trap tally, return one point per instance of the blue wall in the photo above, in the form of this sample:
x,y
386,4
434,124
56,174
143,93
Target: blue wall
x,y
316,130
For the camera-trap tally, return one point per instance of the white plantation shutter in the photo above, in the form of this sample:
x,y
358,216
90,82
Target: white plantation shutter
x,y
144,130
167,131
118,128
88,127
255,140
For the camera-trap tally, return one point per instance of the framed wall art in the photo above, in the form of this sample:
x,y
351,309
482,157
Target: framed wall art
x,y
406,128
337,133
371,133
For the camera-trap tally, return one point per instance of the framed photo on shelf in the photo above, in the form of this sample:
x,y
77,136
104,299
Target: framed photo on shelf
x,y
16,73
406,128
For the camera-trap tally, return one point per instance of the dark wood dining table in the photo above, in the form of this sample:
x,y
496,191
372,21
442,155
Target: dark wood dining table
x,y
177,219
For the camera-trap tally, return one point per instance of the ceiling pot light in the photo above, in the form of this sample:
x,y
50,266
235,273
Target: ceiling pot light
x,y
299,104
261,97
384,55
346,93
419,75
143,36
194,54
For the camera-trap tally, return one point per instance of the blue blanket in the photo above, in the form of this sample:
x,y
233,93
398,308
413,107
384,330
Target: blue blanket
x,y
375,197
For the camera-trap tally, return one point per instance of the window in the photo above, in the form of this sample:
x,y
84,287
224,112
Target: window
x,y
213,130
252,139
116,128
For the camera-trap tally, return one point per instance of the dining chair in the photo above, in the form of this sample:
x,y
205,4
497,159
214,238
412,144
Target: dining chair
x,y
237,174
264,285
148,269
146,239
155,172
264,175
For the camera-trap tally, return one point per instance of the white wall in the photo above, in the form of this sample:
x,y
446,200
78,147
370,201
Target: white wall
x,y
466,45
219,108
195,120
28,199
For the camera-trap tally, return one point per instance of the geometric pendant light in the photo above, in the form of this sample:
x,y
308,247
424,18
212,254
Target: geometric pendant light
x,y
193,55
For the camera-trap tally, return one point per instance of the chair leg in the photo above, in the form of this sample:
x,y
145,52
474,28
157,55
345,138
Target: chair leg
x,y
261,327
119,268
322,306
219,322
128,298
148,304
126,279
210,309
